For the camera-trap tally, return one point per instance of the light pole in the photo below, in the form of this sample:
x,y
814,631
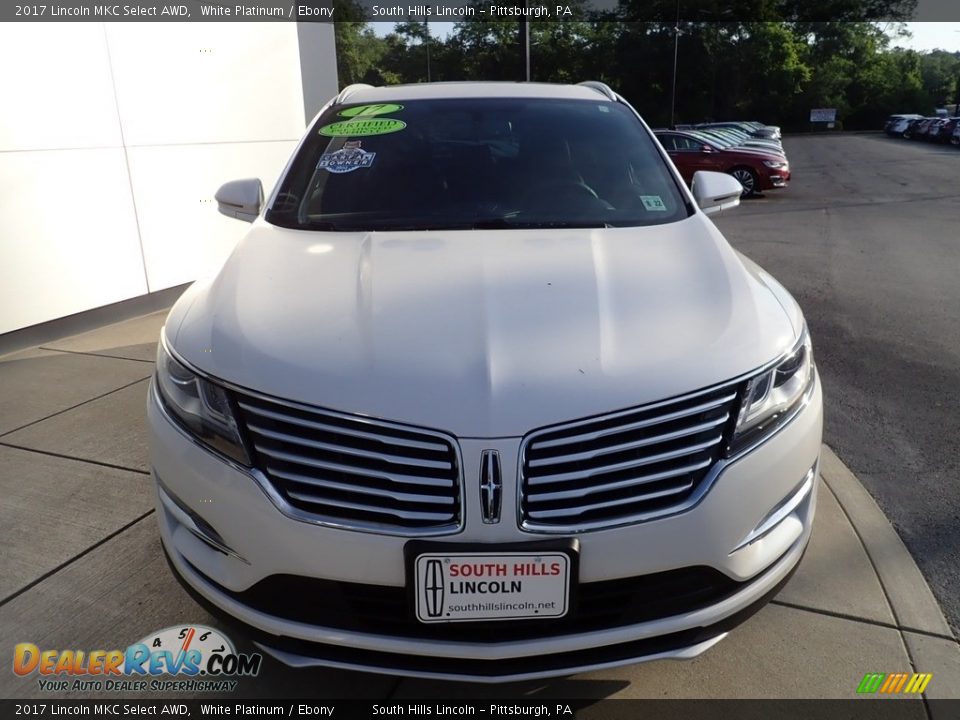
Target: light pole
x,y
676,46
956,97
427,28
525,47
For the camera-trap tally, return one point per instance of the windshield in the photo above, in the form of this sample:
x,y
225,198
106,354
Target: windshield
x,y
478,164
714,138
734,133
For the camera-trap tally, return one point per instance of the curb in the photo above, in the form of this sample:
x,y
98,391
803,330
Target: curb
x,y
912,602
929,642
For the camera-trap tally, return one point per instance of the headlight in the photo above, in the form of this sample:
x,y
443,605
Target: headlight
x,y
200,406
771,396
774,164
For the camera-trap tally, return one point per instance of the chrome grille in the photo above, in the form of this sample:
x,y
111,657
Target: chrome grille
x,y
624,467
355,472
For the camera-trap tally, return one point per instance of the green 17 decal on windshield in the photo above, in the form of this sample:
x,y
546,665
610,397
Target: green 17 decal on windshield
x,y
365,120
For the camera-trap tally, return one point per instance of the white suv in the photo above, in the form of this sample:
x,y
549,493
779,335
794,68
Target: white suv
x,y
484,394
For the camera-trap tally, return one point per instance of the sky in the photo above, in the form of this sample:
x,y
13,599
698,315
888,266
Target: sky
x,y
926,35
933,36
439,30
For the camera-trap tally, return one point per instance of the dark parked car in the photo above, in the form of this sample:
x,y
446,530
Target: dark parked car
x,y
945,130
896,124
932,131
918,128
757,170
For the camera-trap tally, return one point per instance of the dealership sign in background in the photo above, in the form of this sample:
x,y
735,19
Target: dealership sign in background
x,y
827,115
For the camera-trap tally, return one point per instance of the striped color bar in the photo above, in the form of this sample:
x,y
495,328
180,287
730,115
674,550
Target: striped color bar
x,y
894,683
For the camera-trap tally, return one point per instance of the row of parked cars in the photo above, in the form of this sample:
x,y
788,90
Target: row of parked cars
x,y
748,150
919,127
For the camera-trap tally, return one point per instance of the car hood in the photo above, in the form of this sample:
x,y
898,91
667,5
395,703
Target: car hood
x,y
483,333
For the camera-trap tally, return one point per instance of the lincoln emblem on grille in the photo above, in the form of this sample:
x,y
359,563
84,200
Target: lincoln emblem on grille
x,y
491,486
433,588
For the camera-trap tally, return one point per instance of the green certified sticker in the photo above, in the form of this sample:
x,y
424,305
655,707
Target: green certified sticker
x,y
362,127
371,110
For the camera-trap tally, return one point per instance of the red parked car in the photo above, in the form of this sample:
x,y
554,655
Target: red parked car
x,y
757,170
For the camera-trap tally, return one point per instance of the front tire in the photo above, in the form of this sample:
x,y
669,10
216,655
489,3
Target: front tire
x,y
747,178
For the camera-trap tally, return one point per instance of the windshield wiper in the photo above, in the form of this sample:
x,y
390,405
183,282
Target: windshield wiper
x,y
492,224
504,224
482,224
328,226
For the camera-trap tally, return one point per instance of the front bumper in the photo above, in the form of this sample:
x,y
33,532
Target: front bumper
x,y
780,181
258,544
776,178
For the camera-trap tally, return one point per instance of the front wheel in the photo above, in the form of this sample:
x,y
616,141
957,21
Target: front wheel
x,y
748,179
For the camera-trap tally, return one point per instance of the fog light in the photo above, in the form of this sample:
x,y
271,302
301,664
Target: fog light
x,y
782,510
194,523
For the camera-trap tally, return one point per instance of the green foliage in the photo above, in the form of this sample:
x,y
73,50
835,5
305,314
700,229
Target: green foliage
x,y
359,52
940,73
772,71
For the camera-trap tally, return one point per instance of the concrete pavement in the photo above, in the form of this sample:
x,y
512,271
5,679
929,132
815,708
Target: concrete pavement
x,y
81,565
865,238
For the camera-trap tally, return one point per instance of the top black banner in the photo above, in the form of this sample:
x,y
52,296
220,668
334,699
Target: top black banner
x,y
494,708
654,11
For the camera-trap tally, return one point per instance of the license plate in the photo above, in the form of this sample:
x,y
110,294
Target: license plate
x,y
466,587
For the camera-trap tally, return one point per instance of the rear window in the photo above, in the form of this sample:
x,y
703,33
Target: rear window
x,y
477,163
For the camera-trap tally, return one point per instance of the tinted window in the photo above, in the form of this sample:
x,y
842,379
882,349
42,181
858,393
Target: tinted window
x,y
688,144
478,163
669,142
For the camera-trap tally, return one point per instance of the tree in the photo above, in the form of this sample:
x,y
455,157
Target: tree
x,y
487,50
939,72
775,65
360,52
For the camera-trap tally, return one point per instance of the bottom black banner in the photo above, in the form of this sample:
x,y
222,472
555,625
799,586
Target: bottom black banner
x,y
865,708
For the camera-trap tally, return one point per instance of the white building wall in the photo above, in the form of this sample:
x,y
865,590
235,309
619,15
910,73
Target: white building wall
x,y
114,138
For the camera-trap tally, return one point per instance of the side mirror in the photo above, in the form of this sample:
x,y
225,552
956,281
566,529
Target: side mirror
x,y
241,199
707,149
715,191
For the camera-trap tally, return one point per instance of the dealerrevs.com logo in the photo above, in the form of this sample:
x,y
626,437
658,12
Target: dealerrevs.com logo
x,y
190,658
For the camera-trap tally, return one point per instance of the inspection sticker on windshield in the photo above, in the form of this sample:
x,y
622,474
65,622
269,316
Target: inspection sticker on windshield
x,y
349,158
468,587
653,203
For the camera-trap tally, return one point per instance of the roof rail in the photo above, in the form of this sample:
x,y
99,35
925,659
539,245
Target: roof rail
x,y
601,88
349,90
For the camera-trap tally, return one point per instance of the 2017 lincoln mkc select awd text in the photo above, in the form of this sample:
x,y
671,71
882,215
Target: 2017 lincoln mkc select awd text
x,y
484,394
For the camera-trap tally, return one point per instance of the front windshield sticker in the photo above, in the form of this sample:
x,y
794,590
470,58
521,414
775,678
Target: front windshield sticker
x,y
349,158
362,127
653,203
371,110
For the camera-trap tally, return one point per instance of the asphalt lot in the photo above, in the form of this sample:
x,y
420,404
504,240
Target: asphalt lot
x,y
80,559
867,238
